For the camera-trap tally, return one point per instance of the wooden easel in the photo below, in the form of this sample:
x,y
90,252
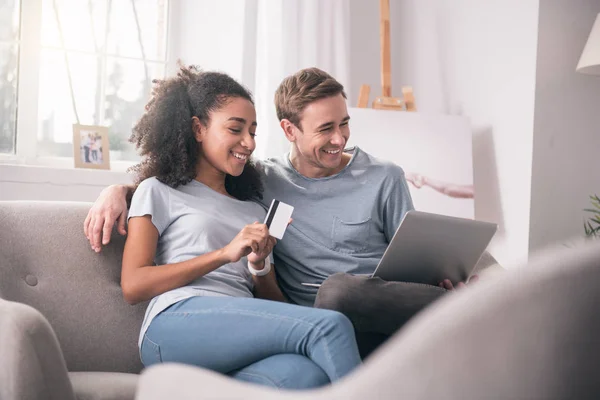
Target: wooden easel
x,y
386,101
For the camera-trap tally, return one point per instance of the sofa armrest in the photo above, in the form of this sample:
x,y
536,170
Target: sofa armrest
x,y
32,364
184,382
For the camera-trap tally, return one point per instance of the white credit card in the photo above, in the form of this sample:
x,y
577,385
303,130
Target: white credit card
x,y
278,218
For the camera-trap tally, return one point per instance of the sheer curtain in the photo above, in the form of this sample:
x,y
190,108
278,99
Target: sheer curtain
x,y
291,35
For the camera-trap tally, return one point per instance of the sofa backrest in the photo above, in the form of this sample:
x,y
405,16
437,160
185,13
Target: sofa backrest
x,y
47,263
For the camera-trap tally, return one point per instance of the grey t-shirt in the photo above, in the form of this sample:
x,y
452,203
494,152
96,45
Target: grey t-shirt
x,y
342,223
193,220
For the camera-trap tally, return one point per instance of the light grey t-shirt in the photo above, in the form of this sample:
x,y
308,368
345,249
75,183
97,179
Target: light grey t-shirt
x,y
342,223
193,220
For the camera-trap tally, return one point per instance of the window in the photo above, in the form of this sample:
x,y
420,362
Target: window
x,y
9,55
95,63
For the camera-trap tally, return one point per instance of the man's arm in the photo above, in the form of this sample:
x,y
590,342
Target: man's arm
x,y
397,203
111,206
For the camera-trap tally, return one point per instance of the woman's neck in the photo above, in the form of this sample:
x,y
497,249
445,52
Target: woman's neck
x,y
211,177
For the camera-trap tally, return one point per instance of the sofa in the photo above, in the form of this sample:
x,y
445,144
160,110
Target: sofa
x,y
67,333
532,333
47,264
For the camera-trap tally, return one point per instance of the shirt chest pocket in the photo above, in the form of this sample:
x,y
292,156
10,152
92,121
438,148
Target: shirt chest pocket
x,y
350,237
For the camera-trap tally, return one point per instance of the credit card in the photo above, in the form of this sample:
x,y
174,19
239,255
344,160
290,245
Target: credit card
x,y
278,217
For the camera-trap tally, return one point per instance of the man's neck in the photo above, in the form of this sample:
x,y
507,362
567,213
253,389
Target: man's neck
x,y
312,171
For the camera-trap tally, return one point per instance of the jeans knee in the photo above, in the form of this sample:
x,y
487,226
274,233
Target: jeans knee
x,y
337,321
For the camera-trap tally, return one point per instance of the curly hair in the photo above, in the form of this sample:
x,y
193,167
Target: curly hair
x,y
164,136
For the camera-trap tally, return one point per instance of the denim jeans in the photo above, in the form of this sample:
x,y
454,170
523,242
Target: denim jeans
x,y
273,343
284,371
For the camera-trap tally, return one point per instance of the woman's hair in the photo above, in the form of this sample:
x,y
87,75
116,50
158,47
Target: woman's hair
x,y
164,136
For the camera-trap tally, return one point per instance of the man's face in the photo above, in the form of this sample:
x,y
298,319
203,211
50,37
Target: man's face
x,y
322,135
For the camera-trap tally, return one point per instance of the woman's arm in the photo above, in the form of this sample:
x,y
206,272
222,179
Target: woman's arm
x,y
141,280
266,287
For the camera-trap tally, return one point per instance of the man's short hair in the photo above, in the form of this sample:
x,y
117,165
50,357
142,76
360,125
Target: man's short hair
x,y
297,91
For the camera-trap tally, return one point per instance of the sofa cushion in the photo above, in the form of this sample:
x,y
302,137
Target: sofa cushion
x,y
103,385
47,263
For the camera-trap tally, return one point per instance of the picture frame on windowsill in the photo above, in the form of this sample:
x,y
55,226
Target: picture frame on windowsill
x,y
91,146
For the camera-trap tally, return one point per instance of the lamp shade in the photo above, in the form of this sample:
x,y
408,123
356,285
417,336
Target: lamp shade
x,y
589,63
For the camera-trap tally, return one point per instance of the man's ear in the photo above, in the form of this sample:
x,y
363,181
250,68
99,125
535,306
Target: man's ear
x,y
290,130
199,129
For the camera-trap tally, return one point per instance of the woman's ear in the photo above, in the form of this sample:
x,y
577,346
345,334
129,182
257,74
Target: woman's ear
x,y
198,129
289,129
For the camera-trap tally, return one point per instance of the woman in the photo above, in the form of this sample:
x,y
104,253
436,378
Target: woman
x,y
195,248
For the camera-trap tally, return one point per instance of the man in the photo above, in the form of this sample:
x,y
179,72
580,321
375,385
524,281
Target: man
x,y
348,205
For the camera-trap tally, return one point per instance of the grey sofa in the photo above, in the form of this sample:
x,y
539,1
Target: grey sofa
x,y
533,333
66,332
46,263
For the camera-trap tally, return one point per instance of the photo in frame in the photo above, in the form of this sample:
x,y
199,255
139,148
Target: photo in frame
x,y
91,146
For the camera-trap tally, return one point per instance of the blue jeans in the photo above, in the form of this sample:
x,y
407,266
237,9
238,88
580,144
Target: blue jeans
x,y
273,343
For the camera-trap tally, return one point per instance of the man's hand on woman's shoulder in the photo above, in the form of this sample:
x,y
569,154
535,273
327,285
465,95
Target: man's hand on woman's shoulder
x,y
110,207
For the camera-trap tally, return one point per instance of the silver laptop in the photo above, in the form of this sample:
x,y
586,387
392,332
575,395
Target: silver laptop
x,y
428,248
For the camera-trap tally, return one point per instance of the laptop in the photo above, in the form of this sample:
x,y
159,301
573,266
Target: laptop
x,y
428,248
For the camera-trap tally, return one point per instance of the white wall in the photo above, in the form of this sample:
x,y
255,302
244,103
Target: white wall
x,y
473,58
567,124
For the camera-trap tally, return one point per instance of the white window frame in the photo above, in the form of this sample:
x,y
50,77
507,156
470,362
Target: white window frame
x,y
28,89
